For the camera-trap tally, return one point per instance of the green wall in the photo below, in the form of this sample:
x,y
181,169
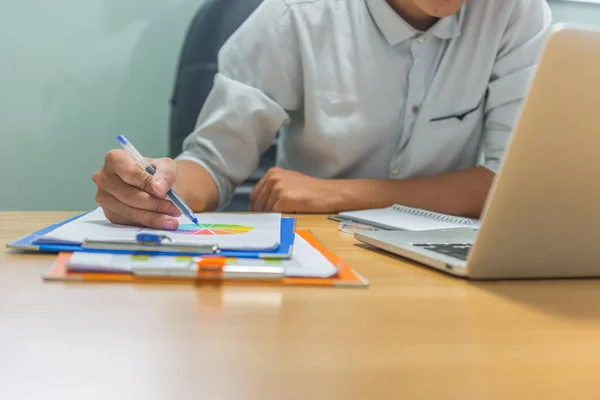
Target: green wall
x,y
83,72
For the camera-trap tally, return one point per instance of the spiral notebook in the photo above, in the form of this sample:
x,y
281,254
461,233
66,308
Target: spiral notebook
x,y
398,217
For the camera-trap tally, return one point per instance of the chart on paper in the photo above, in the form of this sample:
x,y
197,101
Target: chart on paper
x,y
213,229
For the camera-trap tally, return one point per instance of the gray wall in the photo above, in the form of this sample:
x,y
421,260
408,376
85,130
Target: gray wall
x,y
83,72
586,12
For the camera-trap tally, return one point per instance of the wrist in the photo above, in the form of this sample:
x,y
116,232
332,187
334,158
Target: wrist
x,y
358,194
196,186
341,194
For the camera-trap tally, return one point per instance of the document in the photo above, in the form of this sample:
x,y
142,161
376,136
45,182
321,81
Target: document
x,y
227,231
306,262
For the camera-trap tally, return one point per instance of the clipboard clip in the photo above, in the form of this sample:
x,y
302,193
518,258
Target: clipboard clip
x,y
220,267
151,242
157,240
150,239
213,268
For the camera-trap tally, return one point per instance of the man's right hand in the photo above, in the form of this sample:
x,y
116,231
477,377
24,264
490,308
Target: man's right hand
x,y
130,196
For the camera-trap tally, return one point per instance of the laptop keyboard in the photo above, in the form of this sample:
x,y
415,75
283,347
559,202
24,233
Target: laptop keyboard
x,y
456,250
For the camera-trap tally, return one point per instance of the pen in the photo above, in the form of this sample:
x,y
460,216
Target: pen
x,y
145,165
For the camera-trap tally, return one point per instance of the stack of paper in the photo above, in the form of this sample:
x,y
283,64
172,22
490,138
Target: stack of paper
x,y
224,247
306,261
311,264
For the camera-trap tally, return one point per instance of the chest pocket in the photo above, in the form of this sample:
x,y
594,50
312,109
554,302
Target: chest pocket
x,y
444,143
455,118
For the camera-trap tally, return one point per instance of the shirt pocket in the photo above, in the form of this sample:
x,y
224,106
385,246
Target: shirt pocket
x,y
459,119
447,143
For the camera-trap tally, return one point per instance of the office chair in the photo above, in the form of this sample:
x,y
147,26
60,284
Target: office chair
x,y
213,24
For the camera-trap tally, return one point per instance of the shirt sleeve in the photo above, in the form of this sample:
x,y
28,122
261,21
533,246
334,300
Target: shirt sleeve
x,y
257,84
514,68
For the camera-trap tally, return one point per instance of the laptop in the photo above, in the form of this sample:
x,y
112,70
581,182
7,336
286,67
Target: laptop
x,y
542,217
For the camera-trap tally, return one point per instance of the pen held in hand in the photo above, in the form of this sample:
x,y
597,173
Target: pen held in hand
x,y
145,165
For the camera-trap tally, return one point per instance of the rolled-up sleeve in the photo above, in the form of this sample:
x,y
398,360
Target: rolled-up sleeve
x,y
257,84
512,74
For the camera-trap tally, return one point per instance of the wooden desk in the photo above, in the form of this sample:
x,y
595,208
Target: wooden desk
x,y
415,333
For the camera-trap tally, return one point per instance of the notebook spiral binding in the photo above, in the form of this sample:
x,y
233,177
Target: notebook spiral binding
x,y
450,219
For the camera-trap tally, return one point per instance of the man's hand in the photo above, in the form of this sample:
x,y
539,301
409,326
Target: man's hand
x,y
130,196
281,190
459,193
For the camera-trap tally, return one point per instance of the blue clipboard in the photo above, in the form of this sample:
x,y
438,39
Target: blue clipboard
x,y
28,244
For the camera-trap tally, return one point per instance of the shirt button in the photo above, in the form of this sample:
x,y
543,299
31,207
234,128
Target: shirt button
x,y
421,39
415,109
396,171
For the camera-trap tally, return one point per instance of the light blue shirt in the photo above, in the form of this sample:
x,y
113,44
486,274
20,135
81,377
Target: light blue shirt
x,y
356,92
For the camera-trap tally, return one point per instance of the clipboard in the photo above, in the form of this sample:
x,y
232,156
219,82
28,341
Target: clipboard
x,y
152,244
214,274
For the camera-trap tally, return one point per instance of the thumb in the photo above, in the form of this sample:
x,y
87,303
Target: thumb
x,y
164,176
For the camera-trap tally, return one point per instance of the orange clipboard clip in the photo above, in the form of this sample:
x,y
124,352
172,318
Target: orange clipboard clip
x,y
219,268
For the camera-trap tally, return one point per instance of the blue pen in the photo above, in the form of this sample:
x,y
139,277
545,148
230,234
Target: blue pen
x,y
142,162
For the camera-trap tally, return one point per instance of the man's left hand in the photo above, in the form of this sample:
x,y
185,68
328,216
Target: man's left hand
x,y
286,191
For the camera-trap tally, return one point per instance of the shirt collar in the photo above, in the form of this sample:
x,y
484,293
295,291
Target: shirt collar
x,y
396,30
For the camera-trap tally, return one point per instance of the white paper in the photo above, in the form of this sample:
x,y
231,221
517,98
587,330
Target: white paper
x,y
306,262
309,262
228,231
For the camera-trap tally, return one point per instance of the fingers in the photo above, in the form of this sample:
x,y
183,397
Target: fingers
x,y
120,213
259,187
121,164
262,191
273,198
164,177
263,196
116,218
134,197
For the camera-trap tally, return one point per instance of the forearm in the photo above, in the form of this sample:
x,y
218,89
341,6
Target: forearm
x,y
458,193
196,186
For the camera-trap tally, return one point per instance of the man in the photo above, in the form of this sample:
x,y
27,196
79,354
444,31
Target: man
x,y
377,102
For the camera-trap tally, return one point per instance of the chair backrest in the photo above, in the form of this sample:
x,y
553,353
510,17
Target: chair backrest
x,y
209,30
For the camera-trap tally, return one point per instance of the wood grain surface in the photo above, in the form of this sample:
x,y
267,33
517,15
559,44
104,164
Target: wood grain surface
x,y
413,334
